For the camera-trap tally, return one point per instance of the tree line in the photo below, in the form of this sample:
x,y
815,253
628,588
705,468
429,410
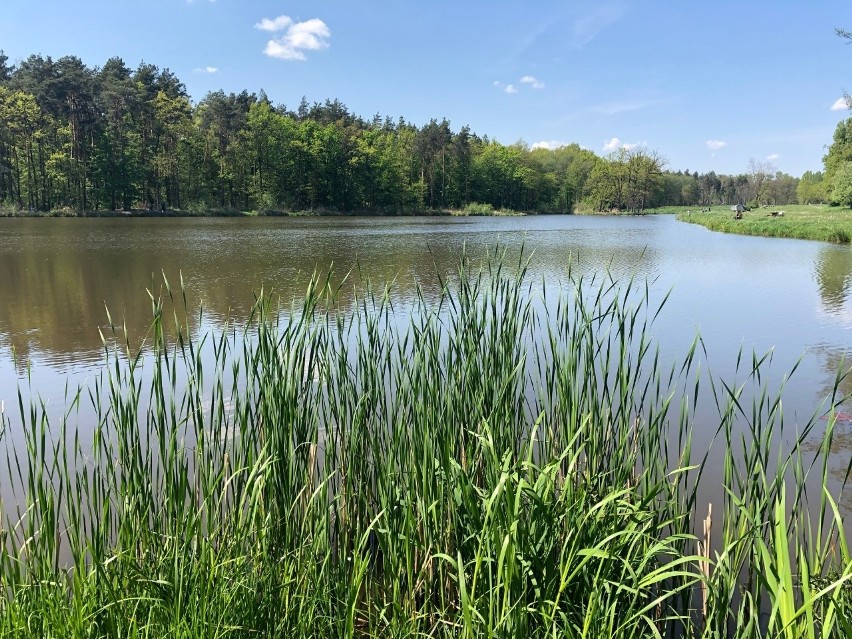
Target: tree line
x,y
112,137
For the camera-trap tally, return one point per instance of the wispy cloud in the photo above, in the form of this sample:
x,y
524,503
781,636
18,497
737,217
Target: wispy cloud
x,y
772,157
621,106
296,39
508,88
532,81
206,69
587,27
840,104
549,144
527,80
715,145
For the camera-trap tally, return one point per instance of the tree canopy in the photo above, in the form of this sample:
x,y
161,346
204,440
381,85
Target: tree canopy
x,y
116,137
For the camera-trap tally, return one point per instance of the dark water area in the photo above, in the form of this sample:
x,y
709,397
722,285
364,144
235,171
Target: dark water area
x,y
739,293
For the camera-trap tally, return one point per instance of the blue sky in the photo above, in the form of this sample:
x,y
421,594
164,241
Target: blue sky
x,y
708,85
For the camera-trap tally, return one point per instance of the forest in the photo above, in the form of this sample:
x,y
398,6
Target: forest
x,y
76,138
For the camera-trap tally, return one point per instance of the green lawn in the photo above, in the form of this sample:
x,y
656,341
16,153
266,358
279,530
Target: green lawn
x,y
807,222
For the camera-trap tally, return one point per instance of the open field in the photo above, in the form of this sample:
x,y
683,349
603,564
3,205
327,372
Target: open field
x,y
477,468
805,222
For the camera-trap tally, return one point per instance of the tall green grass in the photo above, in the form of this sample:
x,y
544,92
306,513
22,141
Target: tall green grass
x,y
498,462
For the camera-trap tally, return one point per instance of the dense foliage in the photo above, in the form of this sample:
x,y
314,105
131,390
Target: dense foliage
x,y
113,138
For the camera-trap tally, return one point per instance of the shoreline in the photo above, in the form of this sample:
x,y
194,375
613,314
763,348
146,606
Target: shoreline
x,y
183,213
227,212
820,223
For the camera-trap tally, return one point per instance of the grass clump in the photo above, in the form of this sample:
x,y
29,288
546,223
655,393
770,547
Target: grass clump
x,y
476,208
484,209
478,465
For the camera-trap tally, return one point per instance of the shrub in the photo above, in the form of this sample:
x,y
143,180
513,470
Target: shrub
x,y
476,208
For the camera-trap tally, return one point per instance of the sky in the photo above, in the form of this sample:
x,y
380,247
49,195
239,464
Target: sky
x,y
708,85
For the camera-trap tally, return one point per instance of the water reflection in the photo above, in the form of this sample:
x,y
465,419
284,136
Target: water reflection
x,y
60,276
833,274
834,376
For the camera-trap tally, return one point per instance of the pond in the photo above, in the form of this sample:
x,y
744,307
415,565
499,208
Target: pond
x,y
738,293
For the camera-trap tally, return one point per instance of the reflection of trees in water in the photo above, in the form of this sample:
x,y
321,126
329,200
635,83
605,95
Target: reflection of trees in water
x,y
55,303
836,387
836,363
833,274
60,275
839,462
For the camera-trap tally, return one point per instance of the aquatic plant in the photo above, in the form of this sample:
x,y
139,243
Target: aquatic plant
x,y
496,462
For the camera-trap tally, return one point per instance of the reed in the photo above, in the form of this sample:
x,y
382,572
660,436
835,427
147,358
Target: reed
x,y
496,462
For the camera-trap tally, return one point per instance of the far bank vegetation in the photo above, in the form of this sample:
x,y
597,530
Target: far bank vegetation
x,y
74,138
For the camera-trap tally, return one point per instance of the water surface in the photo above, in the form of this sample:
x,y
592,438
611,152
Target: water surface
x,y
60,275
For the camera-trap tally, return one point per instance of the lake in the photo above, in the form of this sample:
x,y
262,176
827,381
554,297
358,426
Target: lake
x,y
755,294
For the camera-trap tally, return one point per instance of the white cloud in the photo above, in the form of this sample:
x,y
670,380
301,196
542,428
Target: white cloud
x,y
497,83
549,144
611,145
276,24
840,104
298,37
715,145
206,70
534,82
510,88
772,157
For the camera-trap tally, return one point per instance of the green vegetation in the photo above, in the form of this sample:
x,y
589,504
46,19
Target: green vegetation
x,y
628,180
474,208
841,185
811,188
477,209
823,223
75,139
837,159
472,466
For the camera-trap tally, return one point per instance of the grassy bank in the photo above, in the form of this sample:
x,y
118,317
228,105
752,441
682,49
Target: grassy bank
x,y
474,468
805,222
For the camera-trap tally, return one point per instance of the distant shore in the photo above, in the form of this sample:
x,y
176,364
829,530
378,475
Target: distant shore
x,y
472,210
229,212
818,222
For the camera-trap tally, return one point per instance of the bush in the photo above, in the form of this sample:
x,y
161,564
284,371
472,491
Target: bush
x,y
477,208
